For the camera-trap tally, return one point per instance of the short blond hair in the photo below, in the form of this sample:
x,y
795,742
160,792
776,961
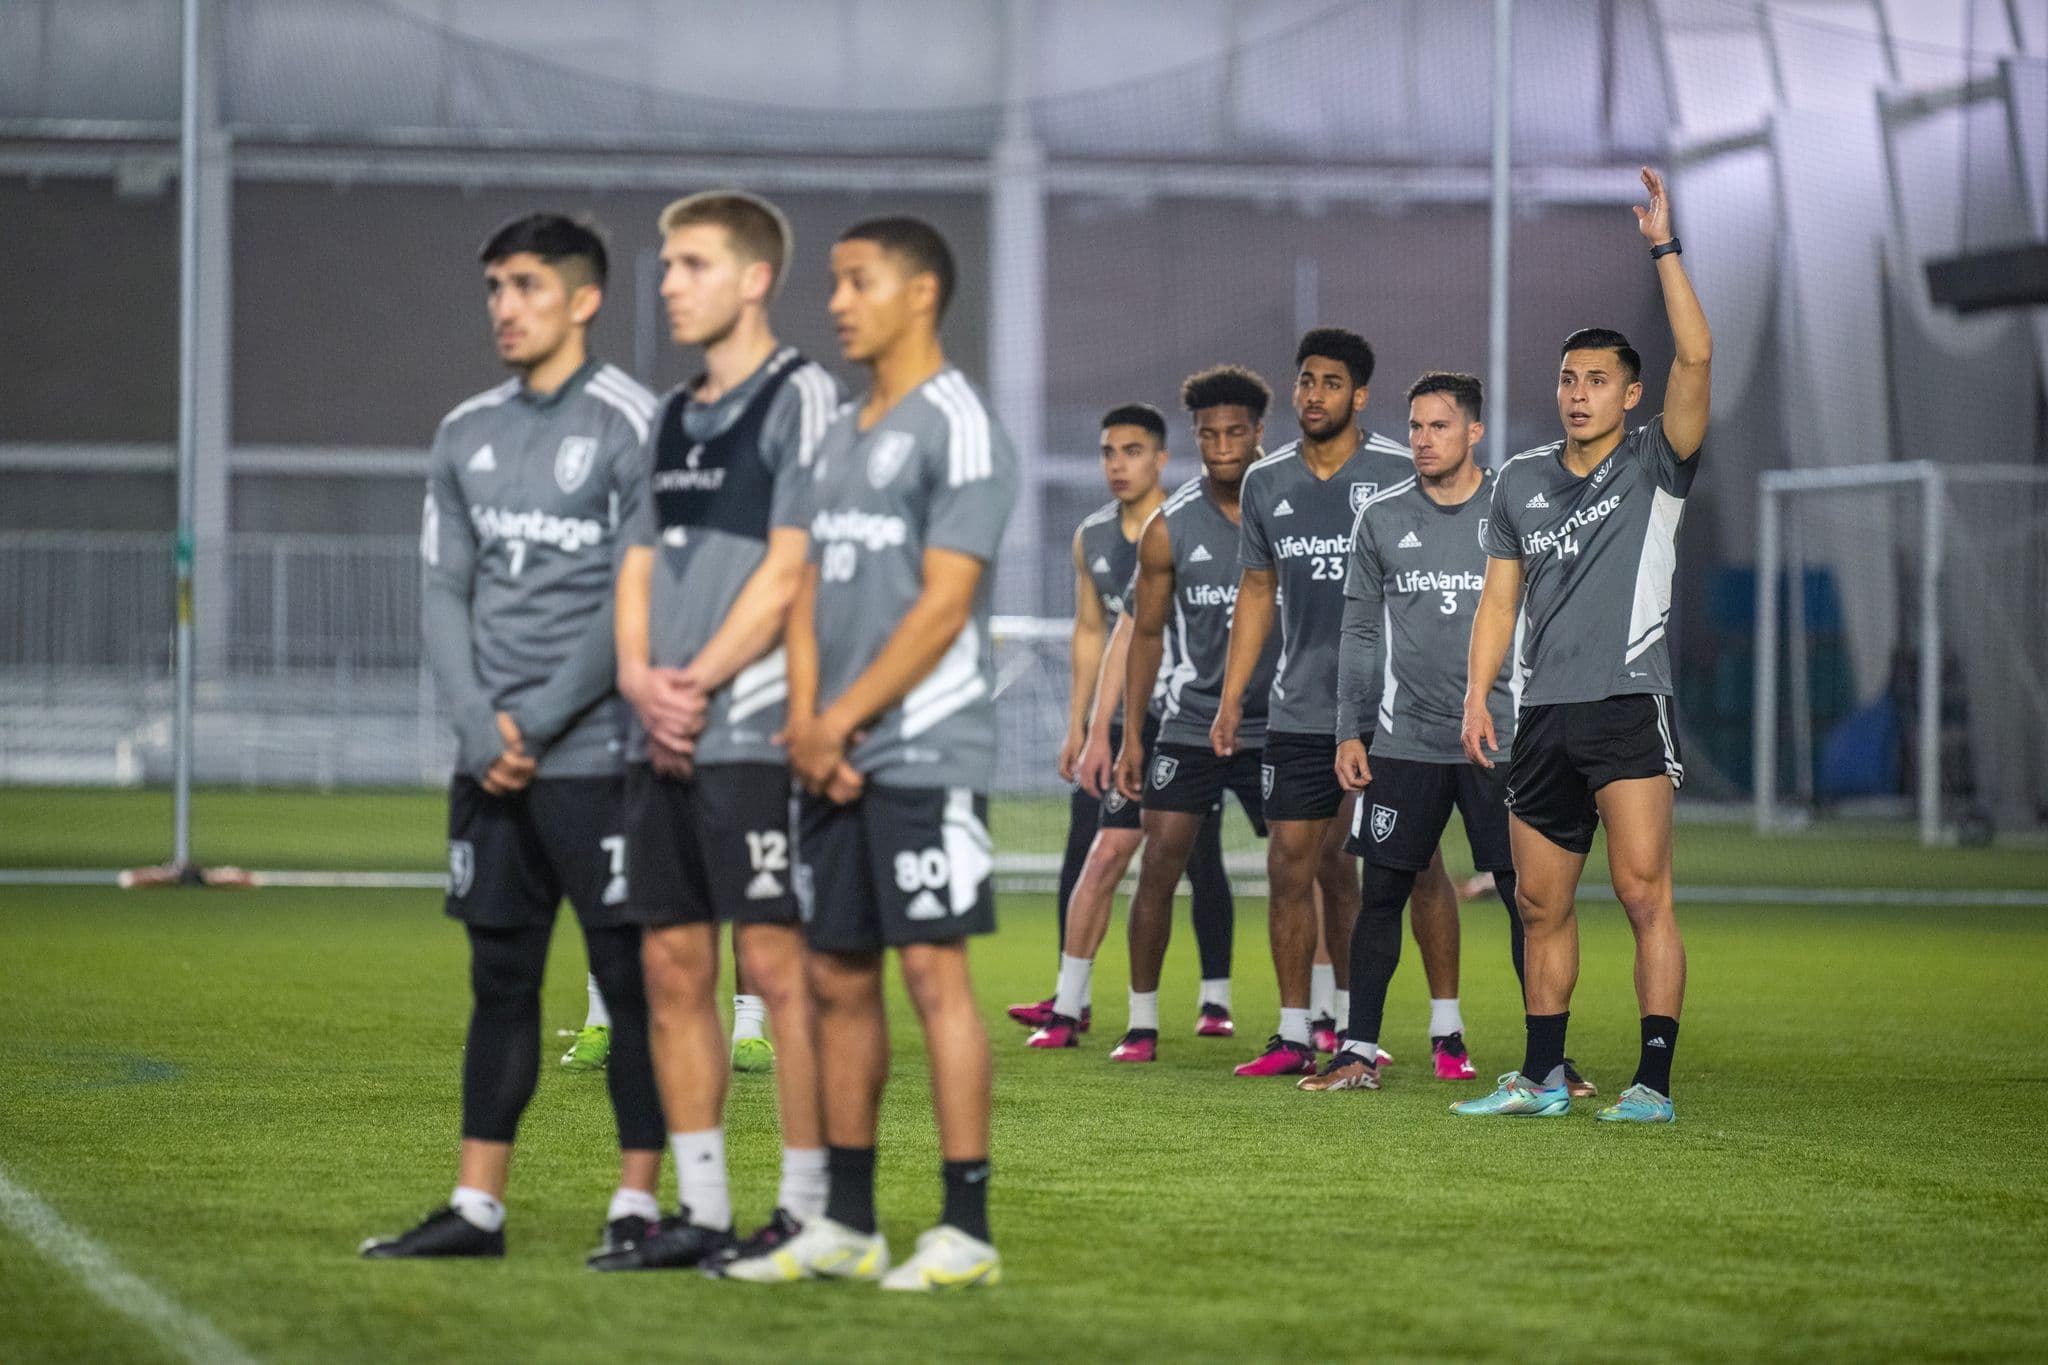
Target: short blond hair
x,y
756,228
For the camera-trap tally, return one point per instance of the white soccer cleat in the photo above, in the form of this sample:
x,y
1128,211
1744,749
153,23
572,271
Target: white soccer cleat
x,y
823,1249
947,1258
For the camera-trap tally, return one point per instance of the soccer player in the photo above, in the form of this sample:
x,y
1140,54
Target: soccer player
x,y
1105,556
1299,504
892,735
1185,570
518,538
1582,539
1414,574
716,542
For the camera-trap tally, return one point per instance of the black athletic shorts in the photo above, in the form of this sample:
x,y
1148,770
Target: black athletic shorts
x,y
1567,751
1192,779
1401,816
712,847
1299,776
511,859
900,865
1118,810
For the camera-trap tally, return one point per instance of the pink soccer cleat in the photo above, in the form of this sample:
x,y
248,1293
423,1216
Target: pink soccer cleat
x,y
1214,1022
1059,1031
1322,1034
1281,1058
1452,1063
1038,1013
1139,1045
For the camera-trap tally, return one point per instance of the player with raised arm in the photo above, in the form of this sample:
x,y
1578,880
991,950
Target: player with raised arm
x,y
892,735
1105,557
1582,540
1299,504
520,525
716,540
1413,581
1186,583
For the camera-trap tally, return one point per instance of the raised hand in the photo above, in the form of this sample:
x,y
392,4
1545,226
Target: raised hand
x,y
1654,222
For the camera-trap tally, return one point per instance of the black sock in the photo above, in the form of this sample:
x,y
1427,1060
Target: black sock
x,y
1660,1040
851,1198
966,1206
1546,1046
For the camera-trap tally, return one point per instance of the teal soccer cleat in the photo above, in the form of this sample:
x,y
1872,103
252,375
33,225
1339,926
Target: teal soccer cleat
x,y
1639,1104
1517,1098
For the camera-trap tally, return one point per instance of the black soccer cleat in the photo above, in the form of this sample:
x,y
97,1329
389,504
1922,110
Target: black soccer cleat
x,y
672,1244
444,1232
623,1235
780,1227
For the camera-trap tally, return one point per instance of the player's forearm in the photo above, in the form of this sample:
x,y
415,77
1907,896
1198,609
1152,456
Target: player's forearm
x,y
577,684
1493,631
445,637
1692,341
1249,626
1141,666
757,622
907,658
1109,682
1358,670
1086,651
629,623
800,647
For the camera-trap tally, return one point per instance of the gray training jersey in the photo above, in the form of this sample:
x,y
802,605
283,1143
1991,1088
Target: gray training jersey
x,y
1202,539
1299,526
1597,557
1112,562
519,539
722,475
935,472
1416,571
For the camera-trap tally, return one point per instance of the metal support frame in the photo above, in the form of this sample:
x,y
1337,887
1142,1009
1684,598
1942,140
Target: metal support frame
x,y
1501,226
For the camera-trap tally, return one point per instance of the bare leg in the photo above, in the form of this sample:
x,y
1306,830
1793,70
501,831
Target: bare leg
x,y
852,1031
1546,887
1292,853
1169,837
1638,817
688,1042
1094,896
486,1165
776,952
963,1072
1433,918
1337,885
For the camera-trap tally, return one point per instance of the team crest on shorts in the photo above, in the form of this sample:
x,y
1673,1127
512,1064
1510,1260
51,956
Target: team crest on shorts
x,y
1359,493
1383,823
886,457
573,461
461,867
1266,781
1114,800
1163,769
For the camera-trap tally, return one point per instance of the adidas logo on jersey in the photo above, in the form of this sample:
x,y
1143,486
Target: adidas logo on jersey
x,y
925,907
764,887
1285,509
482,462
1538,501
1200,555
1101,564
1411,541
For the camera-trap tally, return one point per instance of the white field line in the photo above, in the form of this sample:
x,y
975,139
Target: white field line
x,y
177,1327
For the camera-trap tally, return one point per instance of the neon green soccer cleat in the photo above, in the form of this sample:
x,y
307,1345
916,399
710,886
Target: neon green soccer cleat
x,y
1638,1104
1517,1098
754,1055
591,1050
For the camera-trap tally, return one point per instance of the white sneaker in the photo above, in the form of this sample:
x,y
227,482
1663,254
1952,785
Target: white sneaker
x,y
947,1258
825,1248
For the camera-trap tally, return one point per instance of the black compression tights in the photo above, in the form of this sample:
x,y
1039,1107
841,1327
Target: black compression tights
x,y
502,1062
1504,882
1376,943
1084,813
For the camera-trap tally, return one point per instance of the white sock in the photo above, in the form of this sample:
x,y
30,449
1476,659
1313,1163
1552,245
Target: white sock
x,y
804,1183
1145,1010
700,1172
1072,996
1322,984
1340,1002
1444,1019
477,1208
1216,991
628,1203
1369,1051
749,1014
599,1016
1294,1026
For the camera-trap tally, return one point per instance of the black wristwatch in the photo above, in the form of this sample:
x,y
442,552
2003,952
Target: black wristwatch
x,y
1670,248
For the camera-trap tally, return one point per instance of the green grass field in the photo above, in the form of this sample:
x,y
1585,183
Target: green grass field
x,y
228,1090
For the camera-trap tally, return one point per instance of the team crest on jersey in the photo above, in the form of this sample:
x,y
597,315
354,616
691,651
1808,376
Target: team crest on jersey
x,y
573,461
887,456
1163,769
1266,781
1383,823
461,867
1359,493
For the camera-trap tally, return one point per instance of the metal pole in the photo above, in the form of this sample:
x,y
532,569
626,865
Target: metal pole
x,y
188,427
1799,664
1497,244
1934,498
1016,336
1764,706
